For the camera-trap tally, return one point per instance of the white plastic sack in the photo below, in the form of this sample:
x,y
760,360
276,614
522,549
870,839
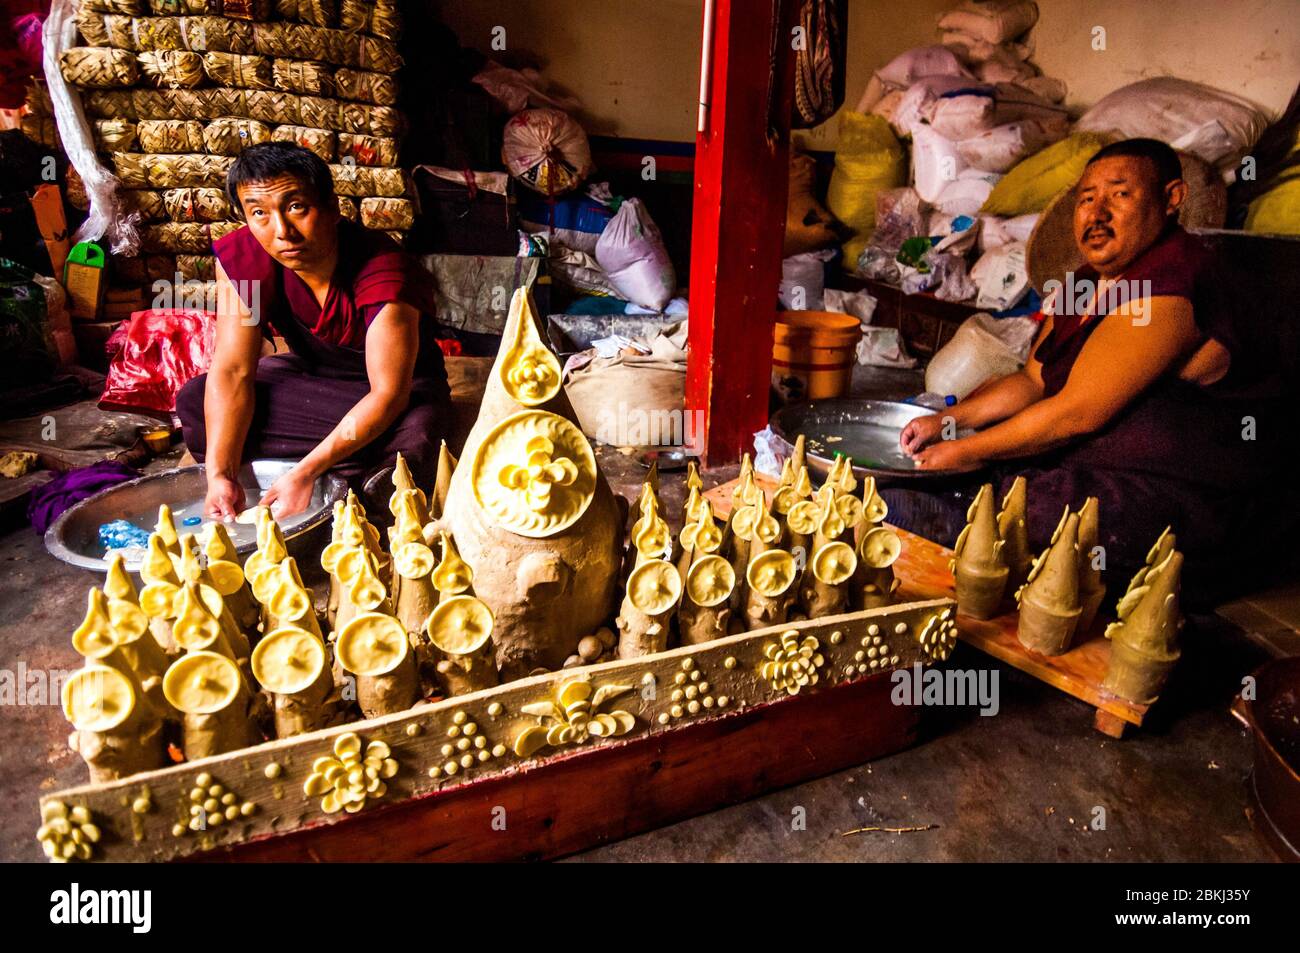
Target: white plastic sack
x,y
803,279
982,349
935,163
546,150
860,304
1048,87
1209,123
1002,277
916,105
632,253
581,272
996,231
516,90
951,280
906,68
959,117
1001,147
967,193
973,51
992,21
883,347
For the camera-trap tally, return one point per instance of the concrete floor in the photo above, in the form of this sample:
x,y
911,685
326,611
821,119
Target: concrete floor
x,y
1022,785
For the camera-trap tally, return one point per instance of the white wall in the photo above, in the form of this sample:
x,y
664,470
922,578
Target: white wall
x,y
635,63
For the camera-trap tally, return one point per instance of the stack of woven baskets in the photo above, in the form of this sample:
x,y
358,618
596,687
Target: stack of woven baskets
x,y
175,89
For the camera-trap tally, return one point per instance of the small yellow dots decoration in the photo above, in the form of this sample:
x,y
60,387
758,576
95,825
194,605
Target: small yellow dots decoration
x,y
212,805
494,709
272,771
435,772
498,751
66,834
729,662
837,637
792,662
412,730
459,718
345,780
688,663
144,803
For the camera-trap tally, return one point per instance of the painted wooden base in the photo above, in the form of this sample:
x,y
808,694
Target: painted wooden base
x,y
597,795
923,571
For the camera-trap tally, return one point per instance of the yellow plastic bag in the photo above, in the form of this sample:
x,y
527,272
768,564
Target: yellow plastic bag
x,y
1277,211
1033,183
868,160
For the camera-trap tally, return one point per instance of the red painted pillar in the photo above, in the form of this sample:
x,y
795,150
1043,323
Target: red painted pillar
x,y
738,221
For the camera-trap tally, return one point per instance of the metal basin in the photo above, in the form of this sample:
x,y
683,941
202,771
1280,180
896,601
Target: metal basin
x,y
74,537
866,431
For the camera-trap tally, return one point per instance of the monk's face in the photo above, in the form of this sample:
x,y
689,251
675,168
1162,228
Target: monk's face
x,y
1120,210
288,220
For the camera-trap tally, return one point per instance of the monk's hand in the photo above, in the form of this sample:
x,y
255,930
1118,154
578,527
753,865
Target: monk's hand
x,y
920,433
290,494
946,455
225,498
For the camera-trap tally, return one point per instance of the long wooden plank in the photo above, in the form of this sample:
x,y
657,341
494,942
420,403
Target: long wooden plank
x,y
603,794
923,571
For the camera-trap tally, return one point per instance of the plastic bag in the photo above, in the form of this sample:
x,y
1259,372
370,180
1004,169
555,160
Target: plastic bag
x,y
993,21
155,353
575,221
632,253
516,90
1001,147
967,193
869,159
860,304
878,263
108,216
952,283
1034,182
803,279
983,348
935,162
546,150
900,215
883,347
60,322
1002,277
27,349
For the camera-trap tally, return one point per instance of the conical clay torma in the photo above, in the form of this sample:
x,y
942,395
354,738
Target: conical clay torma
x,y
1144,640
1049,601
979,566
530,510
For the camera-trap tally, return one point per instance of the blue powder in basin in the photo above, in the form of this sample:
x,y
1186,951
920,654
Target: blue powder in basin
x,y
120,534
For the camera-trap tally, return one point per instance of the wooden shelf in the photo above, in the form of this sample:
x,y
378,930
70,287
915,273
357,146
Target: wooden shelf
x,y
923,572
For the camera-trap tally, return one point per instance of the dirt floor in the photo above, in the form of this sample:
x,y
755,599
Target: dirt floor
x,y
1025,784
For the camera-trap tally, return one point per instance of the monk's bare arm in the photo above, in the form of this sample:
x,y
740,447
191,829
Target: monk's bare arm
x,y
228,398
392,342
1120,360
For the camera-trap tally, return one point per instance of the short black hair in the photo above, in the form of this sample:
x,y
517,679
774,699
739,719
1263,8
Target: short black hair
x,y
268,160
1162,157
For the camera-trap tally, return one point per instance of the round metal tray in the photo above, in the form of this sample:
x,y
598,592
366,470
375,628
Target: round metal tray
x,y
866,431
74,537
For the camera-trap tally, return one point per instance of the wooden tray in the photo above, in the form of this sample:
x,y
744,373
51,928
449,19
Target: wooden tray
x,y
700,726
923,572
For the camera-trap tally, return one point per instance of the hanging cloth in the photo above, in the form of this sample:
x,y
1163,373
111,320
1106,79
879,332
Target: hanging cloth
x,y
819,62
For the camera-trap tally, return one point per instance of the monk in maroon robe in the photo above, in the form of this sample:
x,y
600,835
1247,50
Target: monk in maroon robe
x,y
363,378
1130,394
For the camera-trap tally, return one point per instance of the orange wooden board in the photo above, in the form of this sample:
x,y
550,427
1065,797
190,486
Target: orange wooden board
x,y
923,571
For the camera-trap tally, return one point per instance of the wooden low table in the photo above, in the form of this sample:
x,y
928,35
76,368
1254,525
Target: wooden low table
x,y
923,572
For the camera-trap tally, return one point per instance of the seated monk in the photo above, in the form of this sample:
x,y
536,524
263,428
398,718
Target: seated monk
x,y
1127,395
363,378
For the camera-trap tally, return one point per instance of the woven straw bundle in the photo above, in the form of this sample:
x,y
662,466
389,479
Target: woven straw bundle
x,y
93,25
270,105
377,17
197,267
237,69
387,214
114,135
194,238
302,76
378,88
323,142
319,112
362,181
315,12
170,136
172,69
197,205
369,120
376,54
196,33
131,8
347,208
239,9
342,48
139,171
145,201
368,150
95,67
229,136
109,103
41,129
38,98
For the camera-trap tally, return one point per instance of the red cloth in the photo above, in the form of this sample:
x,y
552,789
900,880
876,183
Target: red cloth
x,y
372,271
153,354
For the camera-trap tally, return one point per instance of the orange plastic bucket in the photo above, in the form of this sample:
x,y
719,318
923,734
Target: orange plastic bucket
x,y
813,353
